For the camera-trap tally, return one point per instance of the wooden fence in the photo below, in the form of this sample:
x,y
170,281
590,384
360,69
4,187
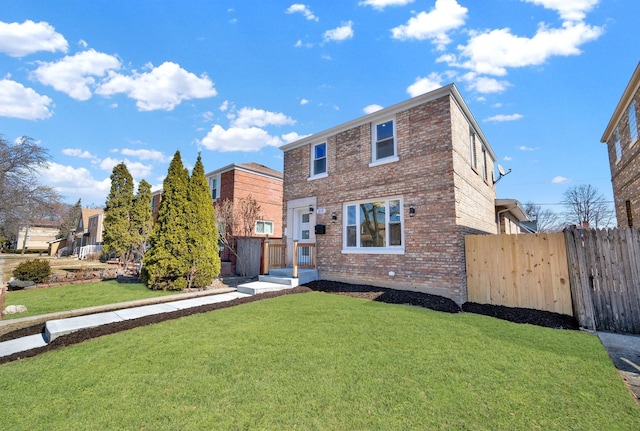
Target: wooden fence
x,y
605,278
524,271
593,275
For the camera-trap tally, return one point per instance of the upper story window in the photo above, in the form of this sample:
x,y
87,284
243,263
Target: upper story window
x,y
618,146
319,160
264,227
485,172
373,226
633,124
472,149
214,184
384,142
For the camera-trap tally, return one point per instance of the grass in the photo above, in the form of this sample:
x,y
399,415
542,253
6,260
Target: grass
x,y
74,296
58,265
318,361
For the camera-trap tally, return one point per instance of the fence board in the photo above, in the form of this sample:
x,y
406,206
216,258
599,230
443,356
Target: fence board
x,y
526,271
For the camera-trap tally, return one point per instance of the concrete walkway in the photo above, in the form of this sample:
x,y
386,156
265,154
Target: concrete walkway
x,y
624,351
55,328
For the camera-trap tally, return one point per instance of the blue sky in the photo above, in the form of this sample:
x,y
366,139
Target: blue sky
x,y
100,82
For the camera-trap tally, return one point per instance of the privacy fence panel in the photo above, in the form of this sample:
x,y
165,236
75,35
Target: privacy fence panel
x,y
525,271
605,278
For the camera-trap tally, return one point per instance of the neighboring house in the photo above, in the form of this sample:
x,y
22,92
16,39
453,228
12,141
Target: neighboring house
x,y
88,235
38,235
621,137
512,218
237,181
388,198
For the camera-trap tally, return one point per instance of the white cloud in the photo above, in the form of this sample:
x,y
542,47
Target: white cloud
x,y
303,9
502,118
381,4
303,101
569,10
339,34
559,180
507,158
18,40
143,154
162,88
483,84
18,101
300,44
447,15
136,169
425,84
370,109
292,137
224,106
77,152
74,75
239,139
525,148
492,52
74,183
248,117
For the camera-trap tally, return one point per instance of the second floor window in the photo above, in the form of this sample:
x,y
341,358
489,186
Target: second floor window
x,y
319,161
618,146
633,124
472,149
384,141
215,188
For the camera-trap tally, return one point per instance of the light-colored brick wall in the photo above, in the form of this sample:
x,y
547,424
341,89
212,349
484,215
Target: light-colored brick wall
x,y
430,145
625,173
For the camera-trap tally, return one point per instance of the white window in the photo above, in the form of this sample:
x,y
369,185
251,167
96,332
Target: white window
x,y
264,227
214,185
373,226
319,160
633,124
384,142
618,146
472,149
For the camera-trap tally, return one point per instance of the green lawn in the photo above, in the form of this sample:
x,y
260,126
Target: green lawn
x,y
320,361
74,296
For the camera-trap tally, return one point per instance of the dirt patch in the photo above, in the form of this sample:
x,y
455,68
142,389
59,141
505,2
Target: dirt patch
x,y
380,294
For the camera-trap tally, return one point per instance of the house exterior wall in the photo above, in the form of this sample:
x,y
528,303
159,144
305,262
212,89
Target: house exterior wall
x,y
625,172
38,237
95,229
432,174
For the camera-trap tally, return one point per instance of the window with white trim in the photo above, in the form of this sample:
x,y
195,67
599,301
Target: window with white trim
x,y
214,186
617,145
319,159
472,149
633,124
485,172
264,227
373,226
384,141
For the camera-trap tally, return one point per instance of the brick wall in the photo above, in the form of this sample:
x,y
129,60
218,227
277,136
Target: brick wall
x,y
267,191
430,144
625,173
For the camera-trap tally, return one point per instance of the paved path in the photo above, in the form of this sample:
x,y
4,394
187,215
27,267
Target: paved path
x,y
57,327
624,351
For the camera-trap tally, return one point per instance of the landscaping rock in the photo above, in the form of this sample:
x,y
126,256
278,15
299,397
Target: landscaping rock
x,y
14,309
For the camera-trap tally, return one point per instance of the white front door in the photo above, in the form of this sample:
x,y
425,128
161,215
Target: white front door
x,y
303,226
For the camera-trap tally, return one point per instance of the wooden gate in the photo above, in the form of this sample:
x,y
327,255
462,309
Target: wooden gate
x,y
524,271
605,278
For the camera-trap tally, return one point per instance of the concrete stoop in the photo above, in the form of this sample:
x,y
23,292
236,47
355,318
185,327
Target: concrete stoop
x,y
278,279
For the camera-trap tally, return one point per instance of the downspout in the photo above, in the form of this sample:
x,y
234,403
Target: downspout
x,y
498,215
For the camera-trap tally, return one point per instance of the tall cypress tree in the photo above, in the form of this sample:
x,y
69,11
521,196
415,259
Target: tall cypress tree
x,y
117,213
141,218
166,262
203,235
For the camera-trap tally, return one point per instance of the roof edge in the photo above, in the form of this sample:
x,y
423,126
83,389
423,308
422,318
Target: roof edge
x,y
629,91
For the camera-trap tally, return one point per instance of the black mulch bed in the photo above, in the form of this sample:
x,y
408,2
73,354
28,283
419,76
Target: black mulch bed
x,y
380,294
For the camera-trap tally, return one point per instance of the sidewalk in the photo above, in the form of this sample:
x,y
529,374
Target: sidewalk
x,y
624,351
58,324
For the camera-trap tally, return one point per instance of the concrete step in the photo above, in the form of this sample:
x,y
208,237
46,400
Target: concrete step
x,y
258,287
285,281
304,275
22,344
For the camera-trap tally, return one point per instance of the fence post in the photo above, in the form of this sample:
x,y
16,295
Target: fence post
x,y
266,256
295,259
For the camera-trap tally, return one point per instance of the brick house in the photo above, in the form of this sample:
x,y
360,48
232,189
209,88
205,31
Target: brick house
x,y
621,137
388,198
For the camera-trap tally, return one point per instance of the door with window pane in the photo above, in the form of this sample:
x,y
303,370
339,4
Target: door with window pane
x,y
304,234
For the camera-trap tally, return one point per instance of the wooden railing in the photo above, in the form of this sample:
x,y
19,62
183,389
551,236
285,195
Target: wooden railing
x,y
275,256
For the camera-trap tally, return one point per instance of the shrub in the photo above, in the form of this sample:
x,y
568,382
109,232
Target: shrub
x,y
37,270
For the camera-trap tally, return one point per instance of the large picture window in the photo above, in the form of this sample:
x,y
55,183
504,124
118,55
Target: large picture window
x,y
384,141
373,226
